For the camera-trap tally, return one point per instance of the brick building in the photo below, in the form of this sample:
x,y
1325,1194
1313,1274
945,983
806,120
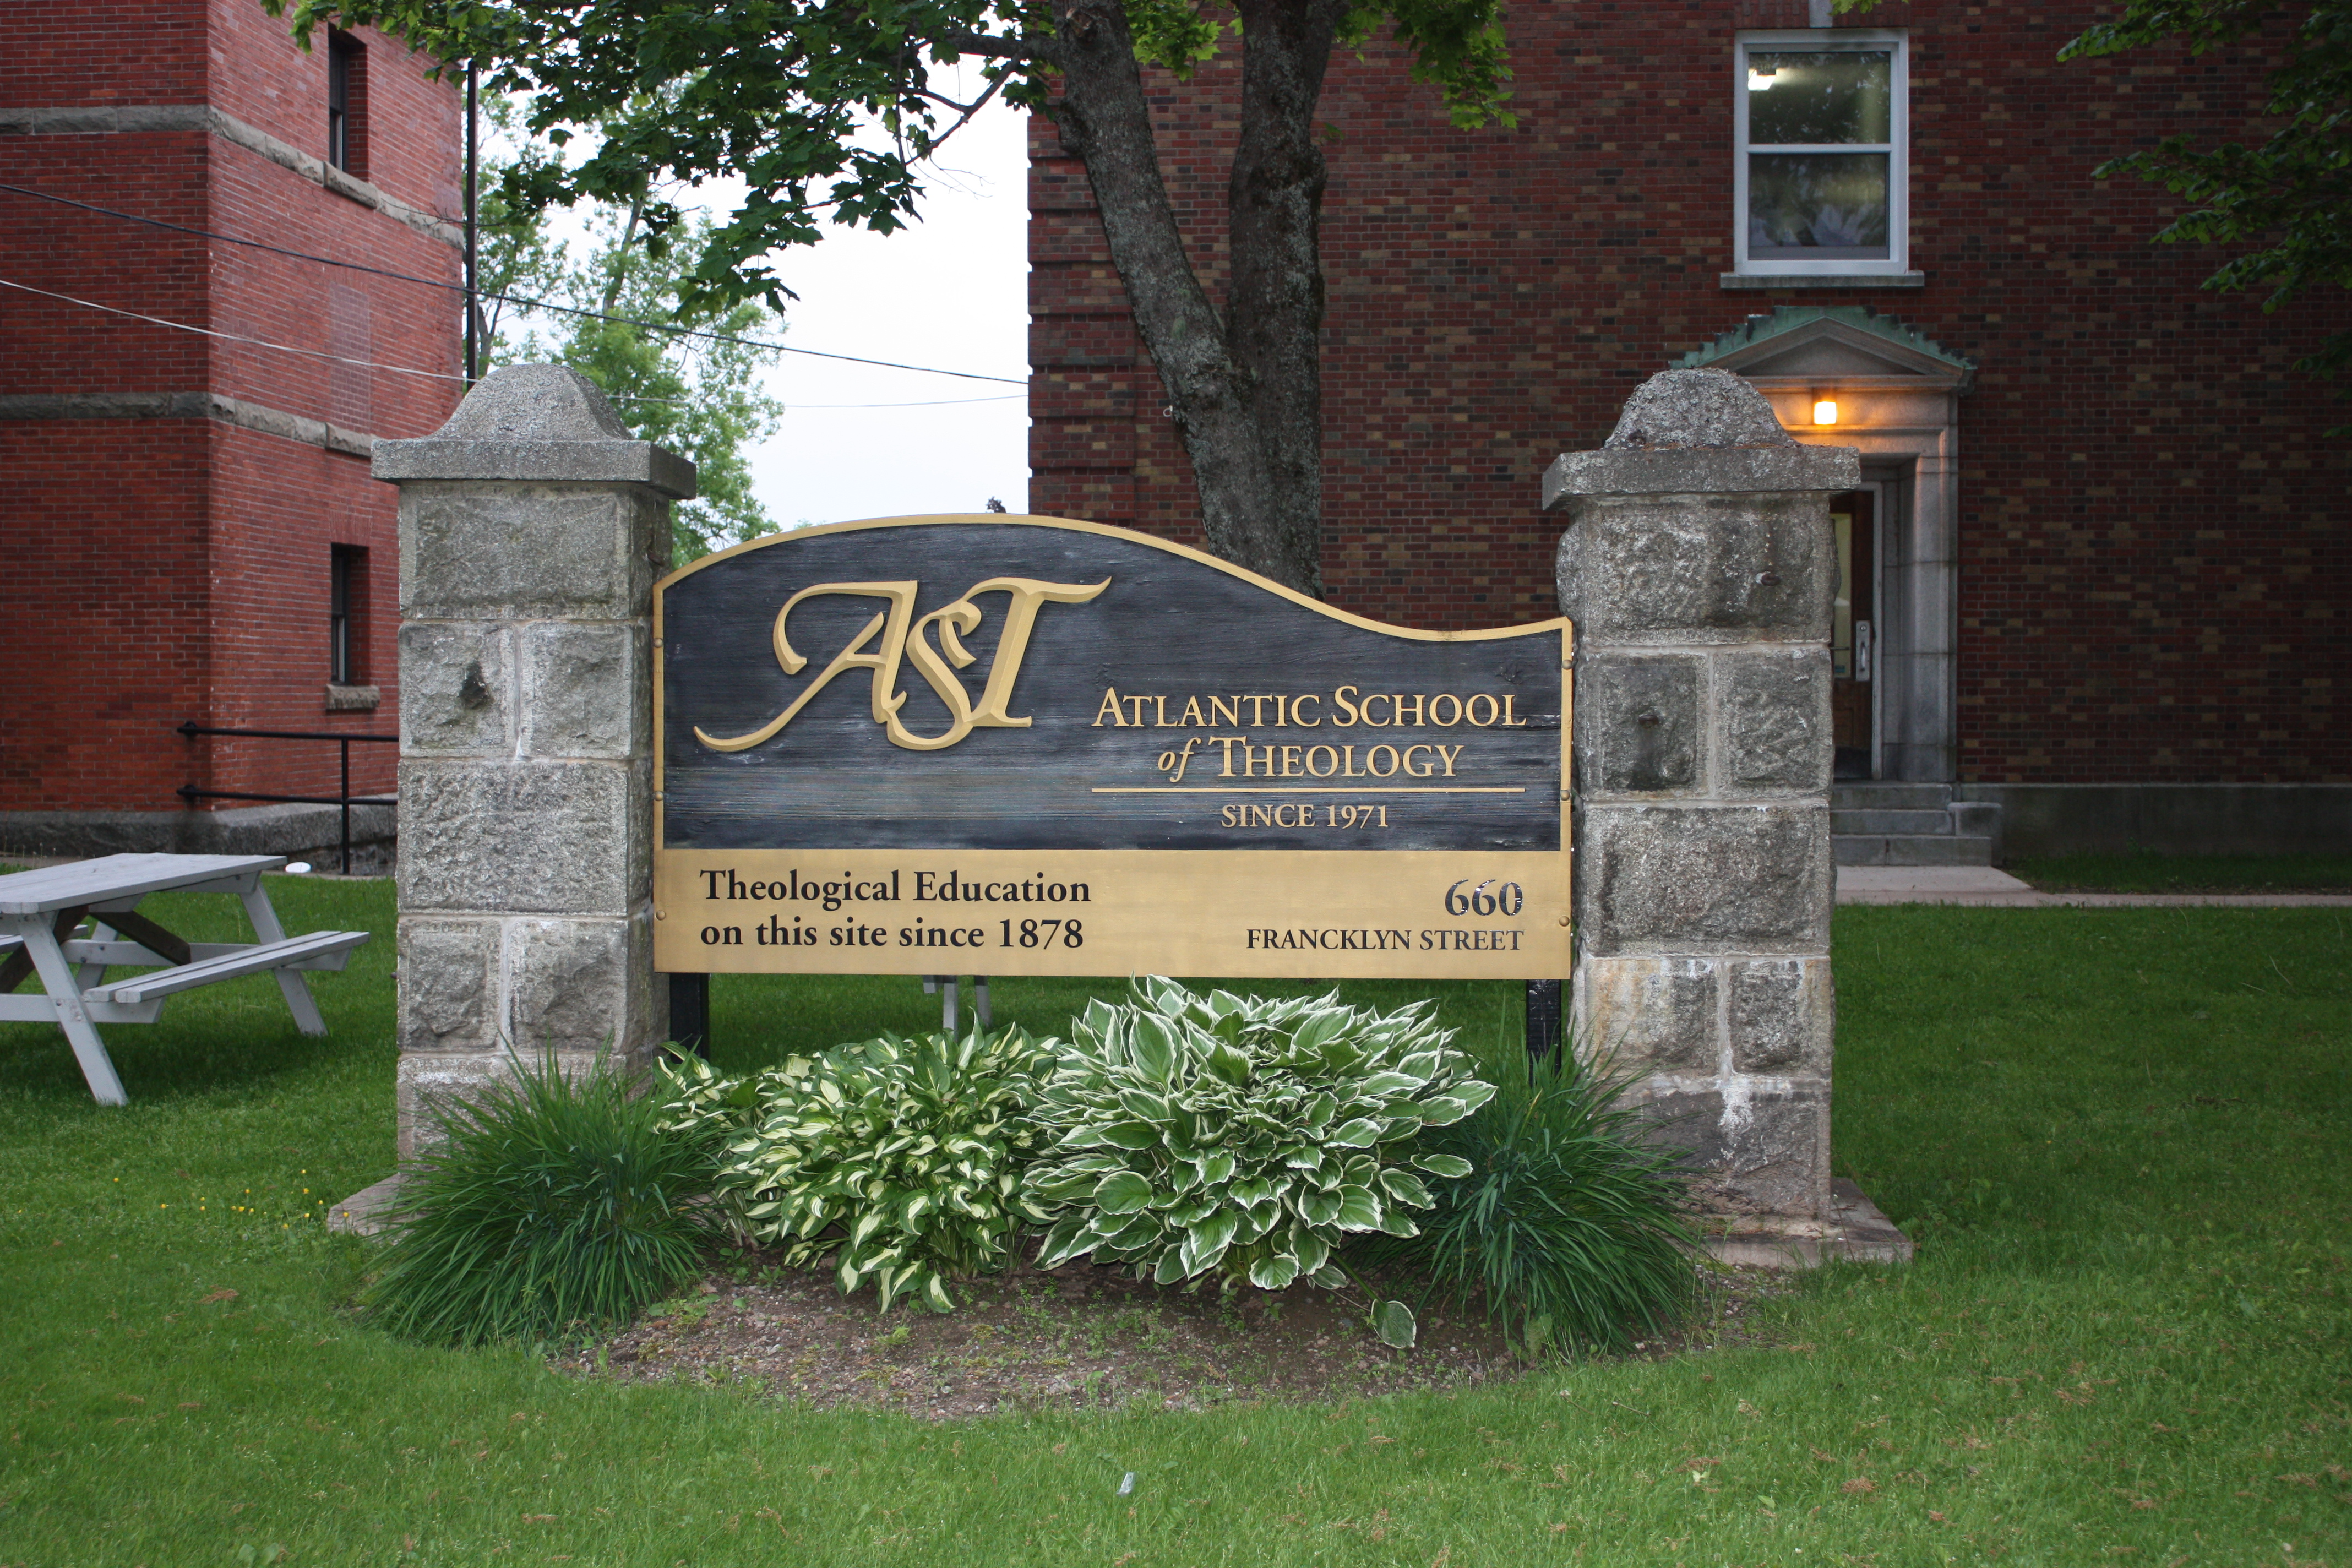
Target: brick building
x,y
191,532
2099,576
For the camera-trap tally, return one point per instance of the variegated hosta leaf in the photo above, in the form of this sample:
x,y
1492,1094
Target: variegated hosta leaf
x,y
1237,1134
902,1158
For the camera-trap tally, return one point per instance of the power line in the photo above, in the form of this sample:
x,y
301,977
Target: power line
x,y
516,299
441,375
231,337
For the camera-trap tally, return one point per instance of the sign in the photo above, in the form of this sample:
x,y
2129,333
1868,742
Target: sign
x,y
1009,746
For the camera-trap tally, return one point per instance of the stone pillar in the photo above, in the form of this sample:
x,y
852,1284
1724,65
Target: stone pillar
x,y
1699,567
532,530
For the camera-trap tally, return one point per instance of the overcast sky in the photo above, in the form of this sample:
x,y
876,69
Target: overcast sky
x,y
951,292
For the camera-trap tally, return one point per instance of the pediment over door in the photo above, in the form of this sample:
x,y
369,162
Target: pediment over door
x,y
1884,375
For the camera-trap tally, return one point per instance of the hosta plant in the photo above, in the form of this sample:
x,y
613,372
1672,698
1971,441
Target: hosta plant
x,y
1245,1138
899,1159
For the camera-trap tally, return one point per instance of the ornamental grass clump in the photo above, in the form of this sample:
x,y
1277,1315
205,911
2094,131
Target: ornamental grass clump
x,y
1243,1138
554,1205
1567,1227
899,1159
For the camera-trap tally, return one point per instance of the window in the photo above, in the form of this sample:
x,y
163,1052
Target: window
x,y
346,612
1822,182
346,103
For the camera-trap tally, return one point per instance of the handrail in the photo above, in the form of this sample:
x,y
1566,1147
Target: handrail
x,y
188,791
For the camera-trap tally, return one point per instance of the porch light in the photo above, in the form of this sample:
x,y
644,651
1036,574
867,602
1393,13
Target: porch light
x,y
1824,410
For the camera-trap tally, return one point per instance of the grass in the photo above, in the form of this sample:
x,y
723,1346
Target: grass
x,y
2124,1342
2147,872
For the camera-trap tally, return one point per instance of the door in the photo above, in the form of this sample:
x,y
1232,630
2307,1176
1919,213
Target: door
x,y
1853,627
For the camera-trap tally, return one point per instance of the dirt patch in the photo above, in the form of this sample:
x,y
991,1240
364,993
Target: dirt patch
x,y
1080,1337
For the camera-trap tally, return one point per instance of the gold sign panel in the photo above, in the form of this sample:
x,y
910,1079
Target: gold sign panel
x,y
1345,915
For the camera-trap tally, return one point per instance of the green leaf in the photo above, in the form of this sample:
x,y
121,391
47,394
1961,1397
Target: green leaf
x,y
1215,1231
1273,1273
1229,1064
1153,1048
1392,1321
1122,1191
1360,1134
1359,1210
1453,1167
1217,1169
1405,1188
1131,1134
1170,1267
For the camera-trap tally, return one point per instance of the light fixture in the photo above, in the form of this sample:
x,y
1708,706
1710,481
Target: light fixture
x,y
1759,80
1824,410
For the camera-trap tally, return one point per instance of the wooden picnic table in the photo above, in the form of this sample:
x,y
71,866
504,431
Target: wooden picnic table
x,y
41,915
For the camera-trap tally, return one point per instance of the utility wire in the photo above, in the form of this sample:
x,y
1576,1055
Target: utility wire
x,y
231,337
516,299
441,375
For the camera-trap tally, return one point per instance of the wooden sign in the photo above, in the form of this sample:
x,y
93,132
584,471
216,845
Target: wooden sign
x,y
1014,745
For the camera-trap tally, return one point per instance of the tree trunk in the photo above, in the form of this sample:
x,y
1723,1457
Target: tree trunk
x,y
1245,391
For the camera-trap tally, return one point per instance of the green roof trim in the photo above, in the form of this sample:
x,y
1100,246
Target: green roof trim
x,y
1789,318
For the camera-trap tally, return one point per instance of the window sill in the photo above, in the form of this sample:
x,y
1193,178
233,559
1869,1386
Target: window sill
x,y
353,698
1824,280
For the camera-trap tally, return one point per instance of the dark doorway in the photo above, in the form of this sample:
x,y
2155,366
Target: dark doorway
x,y
1853,626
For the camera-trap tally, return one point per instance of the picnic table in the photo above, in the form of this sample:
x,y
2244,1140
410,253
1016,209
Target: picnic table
x,y
41,917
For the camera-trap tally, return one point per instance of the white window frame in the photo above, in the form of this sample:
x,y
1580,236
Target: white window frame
x,y
1824,40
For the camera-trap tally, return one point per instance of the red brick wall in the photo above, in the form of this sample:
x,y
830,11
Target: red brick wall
x,y
2154,565
153,570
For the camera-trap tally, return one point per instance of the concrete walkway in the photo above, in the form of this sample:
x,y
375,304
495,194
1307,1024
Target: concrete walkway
x,y
1982,885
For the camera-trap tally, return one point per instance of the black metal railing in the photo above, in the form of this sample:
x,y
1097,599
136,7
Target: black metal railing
x,y
346,799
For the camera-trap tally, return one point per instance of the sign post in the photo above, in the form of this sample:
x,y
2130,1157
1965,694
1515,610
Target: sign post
x,y
1007,745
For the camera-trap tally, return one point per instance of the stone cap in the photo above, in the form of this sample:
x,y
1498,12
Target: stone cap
x,y
1701,431
542,422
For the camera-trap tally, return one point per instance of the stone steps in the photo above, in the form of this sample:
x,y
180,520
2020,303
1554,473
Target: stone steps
x,y
1910,825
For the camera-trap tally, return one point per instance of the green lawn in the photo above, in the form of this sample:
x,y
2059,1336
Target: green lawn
x,y
2152,873
2122,1133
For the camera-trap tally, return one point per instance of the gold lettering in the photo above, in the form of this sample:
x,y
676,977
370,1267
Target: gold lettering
x,y
1470,710
1340,700
1426,769
1289,762
1350,772
897,625
1372,764
1160,708
1298,709
1396,707
1139,702
1229,742
1445,697
1330,767
1510,722
1368,720
1449,754
1109,706
1257,711
1224,712
883,662
1191,720
1028,596
1249,760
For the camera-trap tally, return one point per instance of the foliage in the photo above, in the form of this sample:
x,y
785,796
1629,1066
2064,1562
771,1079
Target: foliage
x,y
1568,1227
901,1158
2289,198
555,1203
1242,1136
833,107
688,380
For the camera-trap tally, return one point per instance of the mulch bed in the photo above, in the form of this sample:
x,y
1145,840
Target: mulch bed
x,y
1080,1337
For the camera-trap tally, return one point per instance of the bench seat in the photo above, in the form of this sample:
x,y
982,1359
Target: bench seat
x,y
315,949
